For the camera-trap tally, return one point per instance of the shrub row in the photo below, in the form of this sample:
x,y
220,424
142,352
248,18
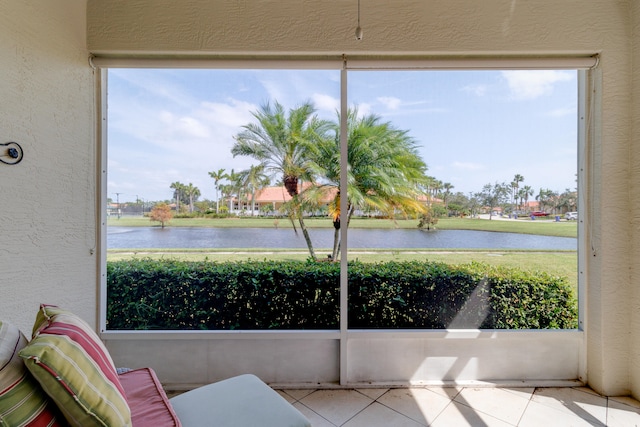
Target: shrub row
x,y
174,295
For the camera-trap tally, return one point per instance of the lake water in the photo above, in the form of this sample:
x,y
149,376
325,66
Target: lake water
x,y
186,237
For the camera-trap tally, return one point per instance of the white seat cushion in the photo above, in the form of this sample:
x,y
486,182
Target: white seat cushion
x,y
242,401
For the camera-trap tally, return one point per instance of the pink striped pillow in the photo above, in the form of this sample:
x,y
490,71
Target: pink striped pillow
x,y
22,402
75,369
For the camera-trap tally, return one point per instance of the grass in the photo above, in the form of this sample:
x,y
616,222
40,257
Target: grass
x,y
523,226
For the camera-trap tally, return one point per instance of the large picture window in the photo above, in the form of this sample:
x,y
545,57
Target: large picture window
x,y
226,204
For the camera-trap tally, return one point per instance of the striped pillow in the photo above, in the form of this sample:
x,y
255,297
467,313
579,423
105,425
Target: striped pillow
x,y
22,401
75,369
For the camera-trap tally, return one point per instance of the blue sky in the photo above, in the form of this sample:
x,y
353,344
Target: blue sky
x,y
472,127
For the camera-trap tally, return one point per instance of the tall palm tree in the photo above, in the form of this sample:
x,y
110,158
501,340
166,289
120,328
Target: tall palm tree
x,y
527,191
178,189
192,193
253,180
385,172
447,186
515,185
218,176
279,142
232,189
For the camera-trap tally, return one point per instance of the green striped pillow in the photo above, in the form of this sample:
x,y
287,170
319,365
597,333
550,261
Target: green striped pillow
x,y
75,369
23,403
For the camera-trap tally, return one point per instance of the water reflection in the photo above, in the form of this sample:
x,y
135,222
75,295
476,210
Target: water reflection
x,y
186,237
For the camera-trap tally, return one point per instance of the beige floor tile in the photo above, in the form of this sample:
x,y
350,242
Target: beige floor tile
x,y
337,406
586,405
373,393
622,415
458,415
379,415
537,415
449,392
419,404
315,419
285,396
500,403
298,394
524,392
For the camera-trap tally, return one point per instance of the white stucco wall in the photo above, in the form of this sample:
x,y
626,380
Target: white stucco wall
x,y
491,27
47,207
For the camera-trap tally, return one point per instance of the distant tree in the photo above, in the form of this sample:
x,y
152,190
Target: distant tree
x,y
253,180
192,193
545,198
178,193
567,201
161,213
218,176
527,191
494,195
447,186
515,185
428,219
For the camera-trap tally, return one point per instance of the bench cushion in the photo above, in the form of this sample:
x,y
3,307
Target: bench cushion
x,y
242,401
149,404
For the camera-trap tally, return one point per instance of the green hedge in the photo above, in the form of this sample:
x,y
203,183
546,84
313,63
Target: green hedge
x,y
174,295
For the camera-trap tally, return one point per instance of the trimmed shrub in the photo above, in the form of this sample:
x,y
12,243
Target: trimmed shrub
x,y
178,295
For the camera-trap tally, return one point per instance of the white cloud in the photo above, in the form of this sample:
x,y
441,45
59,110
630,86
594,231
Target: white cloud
x,y
231,114
392,103
187,127
326,103
531,84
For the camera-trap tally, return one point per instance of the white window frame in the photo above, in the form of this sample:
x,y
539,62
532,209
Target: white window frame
x,y
353,357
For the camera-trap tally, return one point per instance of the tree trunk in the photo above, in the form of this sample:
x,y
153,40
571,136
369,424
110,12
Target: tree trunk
x,y
307,238
336,235
336,245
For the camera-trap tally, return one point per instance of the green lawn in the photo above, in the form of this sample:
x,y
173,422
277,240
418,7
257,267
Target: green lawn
x,y
524,226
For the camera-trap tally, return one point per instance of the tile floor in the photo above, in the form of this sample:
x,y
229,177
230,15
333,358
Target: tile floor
x,y
482,407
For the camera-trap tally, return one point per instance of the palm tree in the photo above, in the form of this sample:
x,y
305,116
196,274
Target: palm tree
x,y
192,193
279,141
253,180
217,177
527,191
385,172
447,191
233,188
515,185
544,197
178,189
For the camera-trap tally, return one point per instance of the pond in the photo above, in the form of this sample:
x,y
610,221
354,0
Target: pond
x,y
271,238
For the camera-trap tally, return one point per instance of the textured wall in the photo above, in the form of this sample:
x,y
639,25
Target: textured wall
x,y
47,208
311,26
634,354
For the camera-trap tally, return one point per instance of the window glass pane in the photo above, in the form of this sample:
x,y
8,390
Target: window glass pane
x,y
498,197
215,168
